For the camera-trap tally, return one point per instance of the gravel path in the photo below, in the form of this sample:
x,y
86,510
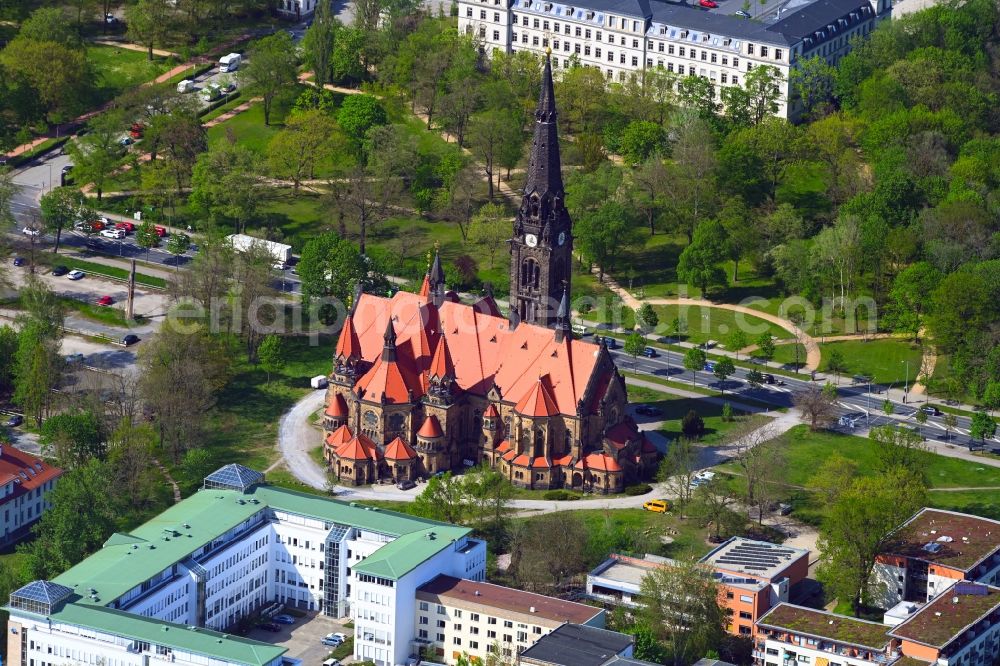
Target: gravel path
x,y
296,435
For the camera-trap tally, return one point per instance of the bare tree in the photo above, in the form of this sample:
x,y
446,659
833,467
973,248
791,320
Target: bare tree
x,y
817,405
366,199
678,468
758,456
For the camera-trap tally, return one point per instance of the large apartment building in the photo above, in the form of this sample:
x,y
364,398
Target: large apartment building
x,y
169,588
457,617
25,480
932,550
753,577
628,37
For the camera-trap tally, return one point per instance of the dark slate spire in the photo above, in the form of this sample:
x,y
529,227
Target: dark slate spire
x,y
544,168
436,279
562,315
389,350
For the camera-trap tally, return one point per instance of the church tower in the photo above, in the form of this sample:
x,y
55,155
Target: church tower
x,y
541,249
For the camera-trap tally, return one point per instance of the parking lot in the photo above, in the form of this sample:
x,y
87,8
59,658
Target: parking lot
x,y
303,638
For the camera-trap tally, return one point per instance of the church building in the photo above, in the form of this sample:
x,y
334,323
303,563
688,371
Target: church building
x,y
423,383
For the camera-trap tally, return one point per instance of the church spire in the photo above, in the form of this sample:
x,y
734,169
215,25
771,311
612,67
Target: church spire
x,y
389,348
562,315
544,167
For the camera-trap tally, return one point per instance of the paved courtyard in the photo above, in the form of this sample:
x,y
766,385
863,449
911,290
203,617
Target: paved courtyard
x,y
303,638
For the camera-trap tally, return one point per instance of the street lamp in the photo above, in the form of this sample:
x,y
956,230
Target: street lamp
x,y
906,382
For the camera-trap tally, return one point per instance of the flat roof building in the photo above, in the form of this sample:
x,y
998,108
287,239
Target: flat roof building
x,y
579,645
168,587
456,616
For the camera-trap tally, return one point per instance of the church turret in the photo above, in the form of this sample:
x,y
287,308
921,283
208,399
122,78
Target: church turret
x,y
389,348
541,248
562,316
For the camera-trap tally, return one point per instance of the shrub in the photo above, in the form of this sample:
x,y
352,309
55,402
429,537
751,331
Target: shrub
x,y
638,489
560,495
692,425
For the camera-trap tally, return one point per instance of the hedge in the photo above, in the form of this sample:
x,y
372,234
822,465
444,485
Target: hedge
x,y
638,489
560,495
40,149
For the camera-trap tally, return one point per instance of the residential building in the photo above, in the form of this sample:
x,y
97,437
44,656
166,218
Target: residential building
x,y
165,589
789,635
423,383
623,38
960,627
297,9
25,480
457,616
580,645
932,550
753,577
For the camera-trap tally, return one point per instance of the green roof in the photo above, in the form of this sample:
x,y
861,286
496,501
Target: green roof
x,y
175,636
824,625
126,560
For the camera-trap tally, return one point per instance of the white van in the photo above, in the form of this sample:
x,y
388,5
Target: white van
x,y
185,86
230,62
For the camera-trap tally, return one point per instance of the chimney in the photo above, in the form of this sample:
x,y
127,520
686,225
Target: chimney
x,y
531,610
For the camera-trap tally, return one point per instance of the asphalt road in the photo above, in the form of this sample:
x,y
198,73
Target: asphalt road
x,y
854,399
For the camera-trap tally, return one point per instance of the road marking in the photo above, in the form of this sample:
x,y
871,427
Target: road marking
x,y
941,427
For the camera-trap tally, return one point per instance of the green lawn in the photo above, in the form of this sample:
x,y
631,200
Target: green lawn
x,y
118,69
674,409
703,323
785,354
689,540
249,128
109,271
884,360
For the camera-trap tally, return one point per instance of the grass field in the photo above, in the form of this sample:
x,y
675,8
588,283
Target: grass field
x,y
117,69
703,324
689,540
249,128
884,360
674,409
785,354
109,271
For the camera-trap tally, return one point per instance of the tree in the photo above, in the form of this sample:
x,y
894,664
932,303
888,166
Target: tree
x,y
635,344
921,418
908,300
358,114
898,447
681,605
694,360
80,518
755,378
697,93
270,70
833,476
816,405
835,363
178,138
317,44
640,140
72,438
678,468
765,346
309,138
271,355
490,228
754,100
61,208
146,237
724,368
98,154
331,267
858,527
492,134
56,74
690,180
488,494
8,190
692,425
149,23
49,24
700,262
443,499
713,506
736,341
646,318
37,368
177,244
991,395
758,456
888,407
227,184
551,550
982,427
602,234
812,81
950,423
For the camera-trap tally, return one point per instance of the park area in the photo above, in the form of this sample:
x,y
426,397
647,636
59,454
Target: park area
x,y
117,69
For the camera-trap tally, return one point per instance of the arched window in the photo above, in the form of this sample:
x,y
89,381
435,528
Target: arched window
x,y
537,272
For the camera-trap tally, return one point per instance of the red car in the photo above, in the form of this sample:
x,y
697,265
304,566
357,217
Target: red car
x,y
136,131
708,4
97,225
105,300
160,231
128,227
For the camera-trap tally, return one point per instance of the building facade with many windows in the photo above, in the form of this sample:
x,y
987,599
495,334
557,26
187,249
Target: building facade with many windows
x,y
623,38
25,480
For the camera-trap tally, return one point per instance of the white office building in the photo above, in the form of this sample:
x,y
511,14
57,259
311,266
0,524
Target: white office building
x,y
168,589
25,480
628,37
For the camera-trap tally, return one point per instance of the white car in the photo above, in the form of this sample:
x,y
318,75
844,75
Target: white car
x,y
705,476
30,231
75,275
113,233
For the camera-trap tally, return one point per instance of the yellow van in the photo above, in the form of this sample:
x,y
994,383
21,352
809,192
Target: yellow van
x,y
657,506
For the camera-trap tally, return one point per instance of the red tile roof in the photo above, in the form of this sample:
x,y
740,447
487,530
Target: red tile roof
x,y
441,364
466,593
337,407
431,429
622,432
27,471
394,379
503,446
598,461
425,287
485,351
399,450
491,412
339,436
347,344
538,401
359,448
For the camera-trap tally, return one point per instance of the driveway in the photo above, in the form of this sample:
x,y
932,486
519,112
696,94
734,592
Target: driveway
x,y
303,638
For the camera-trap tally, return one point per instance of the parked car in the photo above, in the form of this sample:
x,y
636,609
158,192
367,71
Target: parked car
x,y
73,358
705,475
283,618
111,19
406,484
784,509
125,141
708,4
98,225
75,275
59,270
31,231
648,410
931,410
160,231
19,261
14,421
656,506
105,300
269,626
332,640
743,13
332,662
710,366
130,339
136,131
228,88
127,227
768,378
113,233
649,352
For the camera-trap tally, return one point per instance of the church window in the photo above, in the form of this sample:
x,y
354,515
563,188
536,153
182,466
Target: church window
x,y
371,419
